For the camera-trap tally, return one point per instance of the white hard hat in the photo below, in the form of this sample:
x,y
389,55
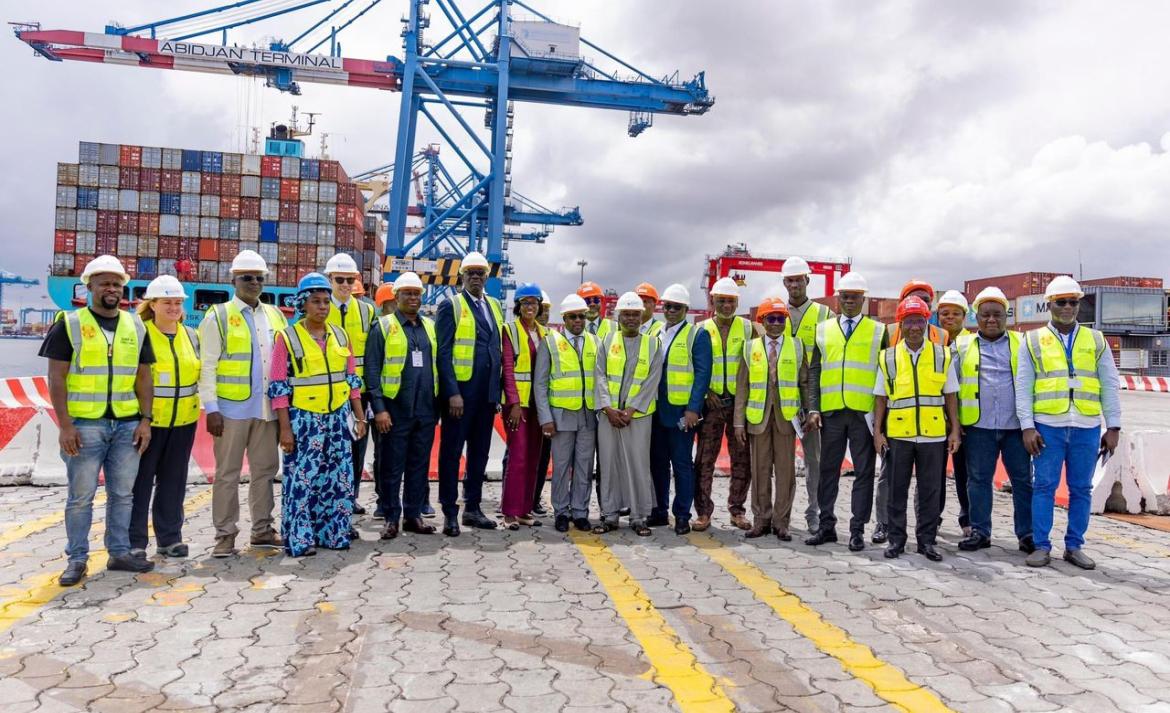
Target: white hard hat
x,y
677,293
544,298
473,259
574,303
726,287
104,263
852,282
164,286
795,266
341,263
629,301
1063,286
953,297
407,280
249,261
991,294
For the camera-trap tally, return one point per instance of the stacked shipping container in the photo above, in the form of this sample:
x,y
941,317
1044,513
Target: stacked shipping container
x,y
166,211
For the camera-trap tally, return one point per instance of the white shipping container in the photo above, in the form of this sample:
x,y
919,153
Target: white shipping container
x,y
172,159
108,176
107,199
86,243
268,252
308,212
250,230
309,190
88,152
327,192
229,229
108,154
250,245
192,182
290,167
209,206
148,201
326,234
287,232
250,186
89,175
86,220
189,204
225,272
128,200
326,213
307,233
232,163
168,224
151,157
188,226
166,266
147,245
66,196
209,227
66,219
269,209
323,254
128,245
251,165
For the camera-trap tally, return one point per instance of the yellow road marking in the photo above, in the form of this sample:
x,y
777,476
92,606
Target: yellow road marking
x,y
40,589
24,529
674,665
886,680
1136,545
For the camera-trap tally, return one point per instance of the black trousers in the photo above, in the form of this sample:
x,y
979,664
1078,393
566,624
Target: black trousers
x,y
959,462
162,470
839,430
542,470
404,467
925,461
475,430
359,450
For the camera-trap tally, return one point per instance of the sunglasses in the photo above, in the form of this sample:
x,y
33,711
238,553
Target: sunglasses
x,y
672,307
344,280
775,319
573,317
475,273
592,300
250,278
1066,302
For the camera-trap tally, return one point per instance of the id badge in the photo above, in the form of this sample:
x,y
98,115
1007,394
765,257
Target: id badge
x,y
416,358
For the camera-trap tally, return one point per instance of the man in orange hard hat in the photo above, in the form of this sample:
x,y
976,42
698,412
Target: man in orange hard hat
x,y
595,323
649,295
384,299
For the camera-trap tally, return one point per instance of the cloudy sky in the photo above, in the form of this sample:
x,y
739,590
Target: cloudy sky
x,y
944,140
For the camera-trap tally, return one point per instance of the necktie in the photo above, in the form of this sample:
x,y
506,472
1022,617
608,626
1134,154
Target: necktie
x,y
577,345
342,308
848,327
773,353
593,327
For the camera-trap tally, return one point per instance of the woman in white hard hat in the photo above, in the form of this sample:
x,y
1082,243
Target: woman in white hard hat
x,y
162,471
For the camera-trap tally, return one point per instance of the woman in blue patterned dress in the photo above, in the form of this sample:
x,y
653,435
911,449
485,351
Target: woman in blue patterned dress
x,y
313,384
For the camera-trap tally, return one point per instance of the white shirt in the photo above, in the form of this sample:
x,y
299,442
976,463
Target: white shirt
x,y
844,322
211,347
667,336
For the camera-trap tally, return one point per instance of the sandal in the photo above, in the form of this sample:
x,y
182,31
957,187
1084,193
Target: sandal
x,y
641,530
510,523
529,521
604,527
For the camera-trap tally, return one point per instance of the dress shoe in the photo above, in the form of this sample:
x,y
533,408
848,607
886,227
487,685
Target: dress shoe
x,y
224,547
930,553
682,527
702,522
657,521
428,511
893,551
624,512
450,527
126,563
758,530
74,573
783,535
476,518
1027,544
814,524
562,523
354,535
856,542
418,526
389,532
741,522
1038,558
358,509
880,534
378,514
179,549
138,552
821,538
271,540
977,541
539,509
1079,558
583,524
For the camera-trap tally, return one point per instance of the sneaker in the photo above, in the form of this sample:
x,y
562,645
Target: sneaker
x,y
1027,544
1079,558
224,547
128,563
1039,558
428,511
270,540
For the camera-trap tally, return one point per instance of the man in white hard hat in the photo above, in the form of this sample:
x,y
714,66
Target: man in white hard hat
x,y
1066,386
468,326
686,363
804,316
563,390
403,385
625,377
987,366
355,317
236,341
845,364
729,334
952,312
102,391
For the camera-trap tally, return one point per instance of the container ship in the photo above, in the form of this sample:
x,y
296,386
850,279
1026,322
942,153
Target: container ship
x,y
187,213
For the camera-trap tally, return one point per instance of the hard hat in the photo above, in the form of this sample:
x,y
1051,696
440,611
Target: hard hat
x,y
590,289
631,301
164,286
852,282
313,281
104,263
358,288
991,294
544,298
383,294
527,289
911,306
677,293
914,286
953,297
771,305
726,287
249,261
473,259
574,303
1061,286
341,264
795,266
407,281
646,290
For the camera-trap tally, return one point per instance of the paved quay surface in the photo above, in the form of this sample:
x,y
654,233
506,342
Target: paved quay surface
x,y
538,621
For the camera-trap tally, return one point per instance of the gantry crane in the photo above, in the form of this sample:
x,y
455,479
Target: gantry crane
x,y
9,278
738,257
485,61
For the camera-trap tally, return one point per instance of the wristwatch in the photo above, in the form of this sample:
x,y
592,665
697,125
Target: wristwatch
x,y
148,417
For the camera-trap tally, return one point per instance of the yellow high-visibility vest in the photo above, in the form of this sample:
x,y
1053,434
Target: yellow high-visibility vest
x,y
570,379
725,357
787,373
806,331
967,352
359,317
615,366
176,376
680,370
102,373
604,327
318,376
233,371
915,391
463,351
522,367
654,330
1062,383
394,354
849,368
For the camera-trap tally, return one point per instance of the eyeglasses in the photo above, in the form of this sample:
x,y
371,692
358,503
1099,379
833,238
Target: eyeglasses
x,y
1066,302
592,300
573,317
250,278
344,280
775,319
475,272
914,321
672,307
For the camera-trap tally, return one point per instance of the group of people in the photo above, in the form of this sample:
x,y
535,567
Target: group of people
x,y
629,406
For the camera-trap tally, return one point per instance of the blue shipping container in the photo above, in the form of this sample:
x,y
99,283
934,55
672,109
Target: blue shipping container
x,y
192,160
147,267
310,170
87,198
212,162
170,203
269,231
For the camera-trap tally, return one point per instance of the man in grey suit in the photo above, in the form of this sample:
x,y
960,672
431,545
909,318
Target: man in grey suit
x,y
563,379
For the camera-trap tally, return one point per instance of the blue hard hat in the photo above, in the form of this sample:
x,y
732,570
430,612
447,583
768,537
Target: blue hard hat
x,y
313,281
527,289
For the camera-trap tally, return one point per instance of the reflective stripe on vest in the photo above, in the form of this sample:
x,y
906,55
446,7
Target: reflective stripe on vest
x,y
849,368
570,382
679,369
359,317
968,360
1061,383
725,357
787,372
654,330
807,330
463,350
522,359
915,391
233,371
394,353
176,376
615,365
102,373
604,327
318,377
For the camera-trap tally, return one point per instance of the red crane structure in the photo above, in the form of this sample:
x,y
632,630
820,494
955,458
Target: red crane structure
x,y
738,257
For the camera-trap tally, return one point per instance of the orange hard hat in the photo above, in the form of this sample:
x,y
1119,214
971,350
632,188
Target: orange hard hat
x,y
646,290
911,306
771,305
914,286
384,293
589,289
358,288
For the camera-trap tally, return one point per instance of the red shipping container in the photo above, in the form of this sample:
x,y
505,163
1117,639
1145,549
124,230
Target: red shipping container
x,y
208,249
209,184
107,221
106,244
229,207
286,275
168,248
249,208
128,178
150,179
131,265
344,239
290,190
80,261
228,249
64,241
188,248
306,255
127,222
344,214
270,166
345,194
369,242
286,253
171,181
148,223
130,155
330,170
229,185
290,210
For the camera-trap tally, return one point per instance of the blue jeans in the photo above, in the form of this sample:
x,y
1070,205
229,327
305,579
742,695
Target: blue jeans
x,y
1076,450
106,445
984,447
